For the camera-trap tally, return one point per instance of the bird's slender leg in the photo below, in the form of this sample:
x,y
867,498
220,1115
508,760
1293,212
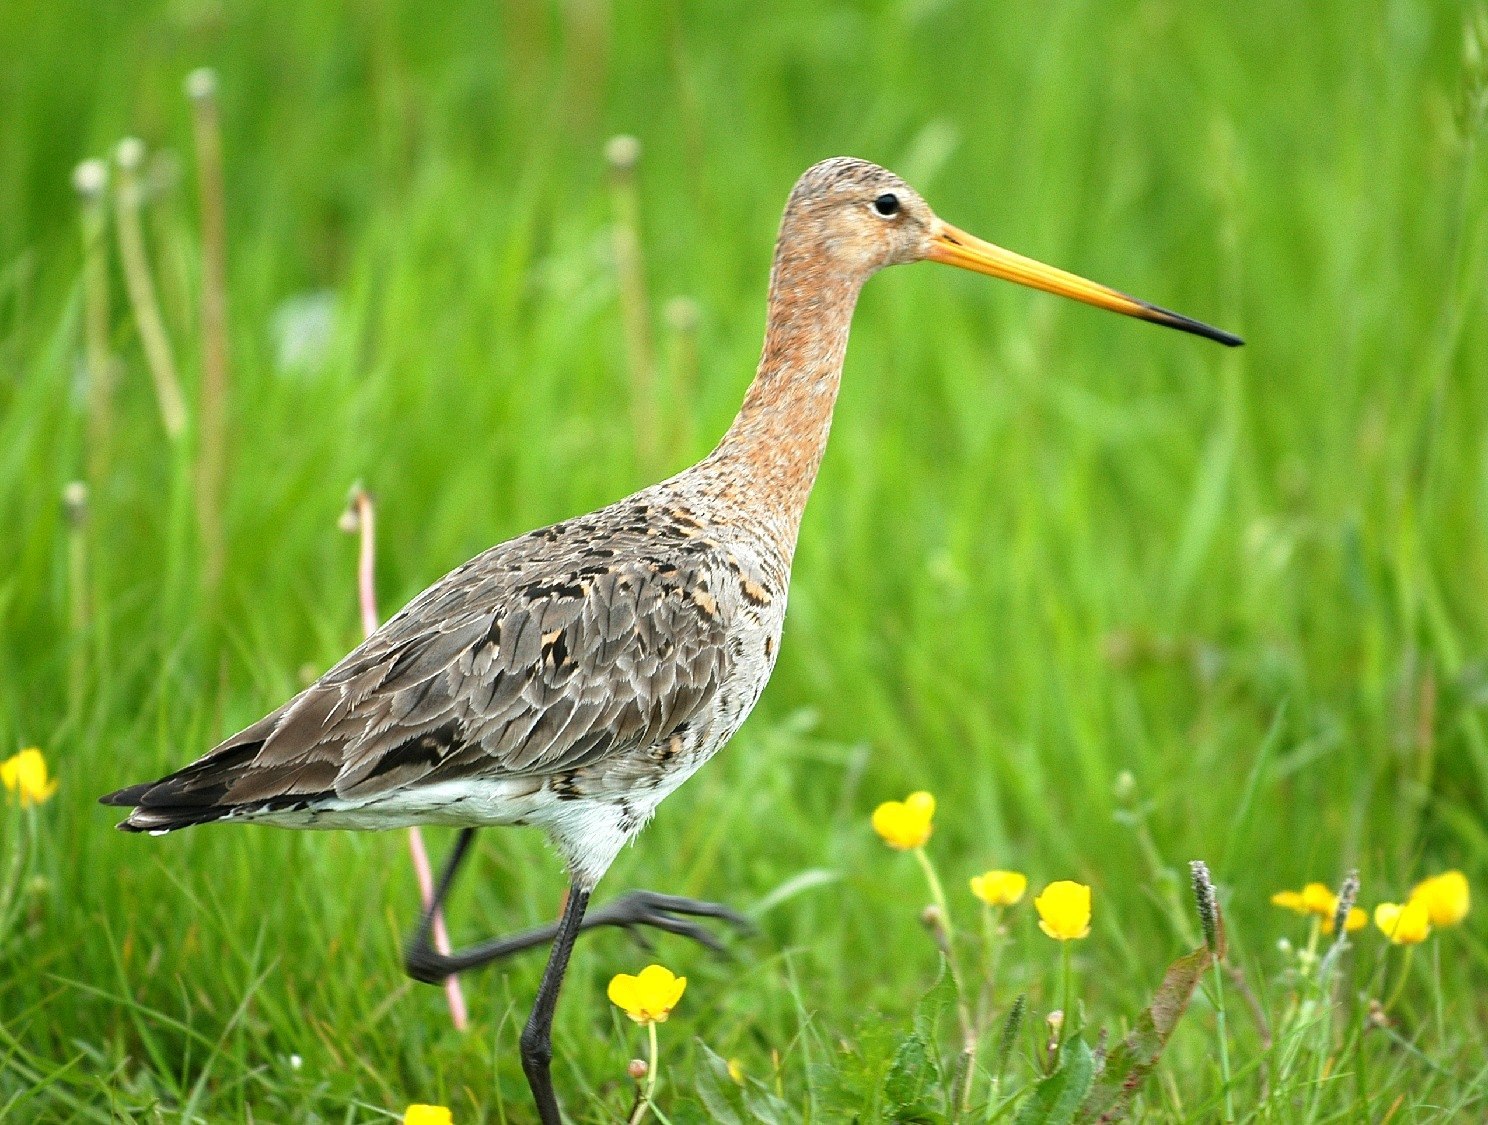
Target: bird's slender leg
x,y
537,1036
425,963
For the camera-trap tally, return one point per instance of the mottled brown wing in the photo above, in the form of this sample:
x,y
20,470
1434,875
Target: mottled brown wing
x,y
488,679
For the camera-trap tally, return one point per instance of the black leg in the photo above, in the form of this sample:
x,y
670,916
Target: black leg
x,y
421,960
639,908
537,1036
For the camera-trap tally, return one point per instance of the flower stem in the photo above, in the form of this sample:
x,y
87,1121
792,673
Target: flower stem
x,y
1316,929
1067,972
1221,1027
644,1102
937,892
963,1010
1441,1027
1405,966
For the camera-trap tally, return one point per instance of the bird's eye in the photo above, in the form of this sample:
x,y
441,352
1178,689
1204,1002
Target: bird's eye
x,y
886,204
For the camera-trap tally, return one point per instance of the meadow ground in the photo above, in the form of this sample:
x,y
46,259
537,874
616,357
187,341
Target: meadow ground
x,y
1117,597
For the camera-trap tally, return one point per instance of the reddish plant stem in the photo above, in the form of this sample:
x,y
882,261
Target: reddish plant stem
x,y
361,502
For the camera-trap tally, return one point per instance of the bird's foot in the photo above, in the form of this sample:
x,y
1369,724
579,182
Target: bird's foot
x,y
639,910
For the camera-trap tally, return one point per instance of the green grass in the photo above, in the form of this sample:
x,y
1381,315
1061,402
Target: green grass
x,y
1049,546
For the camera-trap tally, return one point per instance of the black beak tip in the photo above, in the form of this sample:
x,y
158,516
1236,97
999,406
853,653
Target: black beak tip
x,y
1159,315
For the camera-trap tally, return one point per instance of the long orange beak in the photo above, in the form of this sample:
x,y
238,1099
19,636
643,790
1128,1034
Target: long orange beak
x,y
957,248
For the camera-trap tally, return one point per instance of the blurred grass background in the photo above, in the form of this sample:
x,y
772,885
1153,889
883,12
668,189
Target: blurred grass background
x,y
1048,546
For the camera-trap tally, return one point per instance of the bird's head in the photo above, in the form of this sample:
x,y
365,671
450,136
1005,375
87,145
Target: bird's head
x,y
862,217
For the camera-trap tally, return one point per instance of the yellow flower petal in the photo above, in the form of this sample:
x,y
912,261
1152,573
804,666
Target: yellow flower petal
x,y
1318,899
648,997
1407,924
920,803
427,1115
1357,920
1447,897
1290,900
1064,910
999,888
624,992
25,775
905,824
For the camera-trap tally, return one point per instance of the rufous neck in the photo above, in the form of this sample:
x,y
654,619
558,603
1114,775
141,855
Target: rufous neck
x,y
777,440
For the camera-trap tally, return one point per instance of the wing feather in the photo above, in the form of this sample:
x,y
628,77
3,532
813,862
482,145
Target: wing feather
x,y
547,654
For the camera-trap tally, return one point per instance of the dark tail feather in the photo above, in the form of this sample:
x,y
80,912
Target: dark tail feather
x,y
158,821
193,795
229,782
127,798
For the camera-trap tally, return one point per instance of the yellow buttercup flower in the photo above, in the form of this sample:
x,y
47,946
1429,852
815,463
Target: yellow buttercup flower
x,y
1315,898
1289,900
1319,899
427,1115
648,997
905,824
999,888
25,775
1356,921
1408,924
1064,910
1446,897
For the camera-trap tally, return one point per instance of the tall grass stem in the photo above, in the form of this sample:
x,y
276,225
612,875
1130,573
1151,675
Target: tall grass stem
x,y
90,178
140,285
622,154
682,318
75,515
201,88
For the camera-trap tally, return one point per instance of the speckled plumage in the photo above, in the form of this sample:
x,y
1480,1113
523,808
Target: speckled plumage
x,y
572,677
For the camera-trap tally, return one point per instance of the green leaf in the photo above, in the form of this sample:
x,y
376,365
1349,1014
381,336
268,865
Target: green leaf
x,y
911,1088
913,1076
935,1003
1129,1063
719,1093
1057,1098
748,1103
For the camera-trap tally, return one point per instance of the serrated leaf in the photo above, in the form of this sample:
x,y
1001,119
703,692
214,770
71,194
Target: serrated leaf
x,y
1057,1099
935,1003
912,1085
1132,1060
912,1079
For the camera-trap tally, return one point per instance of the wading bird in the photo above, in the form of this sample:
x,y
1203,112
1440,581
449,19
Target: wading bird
x,y
573,677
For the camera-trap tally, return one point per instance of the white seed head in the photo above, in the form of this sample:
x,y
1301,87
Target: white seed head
x,y
90,179
201,83
623,152
75,502
130,154
1207,902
